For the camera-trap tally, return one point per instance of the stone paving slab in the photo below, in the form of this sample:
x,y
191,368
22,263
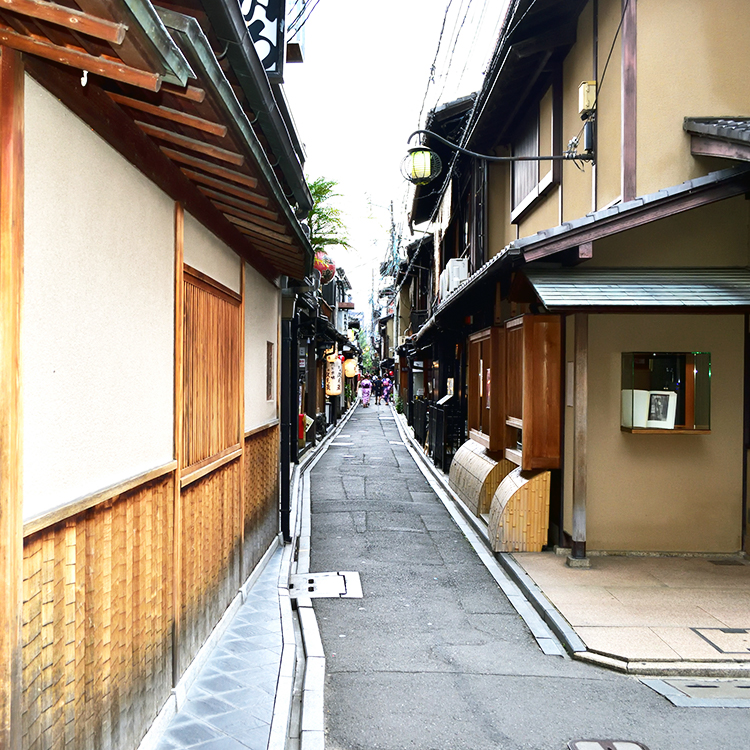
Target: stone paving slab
x,y
230,704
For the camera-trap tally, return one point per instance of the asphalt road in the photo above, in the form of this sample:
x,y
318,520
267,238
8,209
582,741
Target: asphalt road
x,y
434,656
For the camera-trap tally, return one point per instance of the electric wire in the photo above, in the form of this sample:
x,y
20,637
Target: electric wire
x,y
431,77
304,20
453,48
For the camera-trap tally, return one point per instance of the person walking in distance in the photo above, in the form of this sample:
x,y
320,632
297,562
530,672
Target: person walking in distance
x,y
377,389
365,388
387,387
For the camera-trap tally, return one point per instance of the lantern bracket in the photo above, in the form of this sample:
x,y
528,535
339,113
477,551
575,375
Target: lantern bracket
x,y
569,155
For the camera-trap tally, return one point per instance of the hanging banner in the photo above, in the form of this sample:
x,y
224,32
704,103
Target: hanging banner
x,y
333,377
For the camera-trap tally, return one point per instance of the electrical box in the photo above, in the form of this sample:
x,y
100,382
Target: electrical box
x,y
586,98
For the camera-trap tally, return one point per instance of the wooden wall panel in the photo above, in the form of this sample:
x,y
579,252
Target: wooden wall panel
x,y
210,556
97,622
514,365
261,502
211,372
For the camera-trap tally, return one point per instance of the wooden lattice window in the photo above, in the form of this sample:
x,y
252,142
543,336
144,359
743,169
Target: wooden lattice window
x,y
211,369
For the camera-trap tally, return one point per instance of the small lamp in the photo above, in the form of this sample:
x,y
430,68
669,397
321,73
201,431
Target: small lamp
x,y
421,165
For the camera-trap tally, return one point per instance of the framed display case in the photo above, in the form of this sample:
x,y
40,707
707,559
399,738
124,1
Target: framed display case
x,y
666,392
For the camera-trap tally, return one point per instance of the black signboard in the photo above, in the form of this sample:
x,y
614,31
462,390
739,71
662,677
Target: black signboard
x,y
265,24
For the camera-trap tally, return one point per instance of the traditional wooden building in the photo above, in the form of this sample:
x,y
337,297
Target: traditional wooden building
x,y
605,314
149,193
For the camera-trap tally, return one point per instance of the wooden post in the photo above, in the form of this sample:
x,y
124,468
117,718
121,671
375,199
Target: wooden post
x,y
11,292
179,317
580,439
629,98
241,432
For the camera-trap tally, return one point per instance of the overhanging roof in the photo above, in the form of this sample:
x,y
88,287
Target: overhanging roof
x,y
726,137
197,142
670,201
568,289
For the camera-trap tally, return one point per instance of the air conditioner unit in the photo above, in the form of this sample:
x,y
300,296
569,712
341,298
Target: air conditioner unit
x,y
455,273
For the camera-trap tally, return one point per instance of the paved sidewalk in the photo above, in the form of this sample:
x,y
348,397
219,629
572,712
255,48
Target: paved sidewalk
x,y
230,704
658,614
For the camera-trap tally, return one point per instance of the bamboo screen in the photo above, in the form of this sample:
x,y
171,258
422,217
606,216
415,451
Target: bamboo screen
x,y
261,515
97,623
211,372
210,556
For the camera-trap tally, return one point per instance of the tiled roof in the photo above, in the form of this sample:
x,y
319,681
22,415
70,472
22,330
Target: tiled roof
x,y
713,178
729,128
641,287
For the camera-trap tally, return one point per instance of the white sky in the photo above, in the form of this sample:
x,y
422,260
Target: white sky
x,y
358,95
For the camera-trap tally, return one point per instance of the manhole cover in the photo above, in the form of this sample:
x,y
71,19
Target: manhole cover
x,y
726,640
342,585
606,745
703,692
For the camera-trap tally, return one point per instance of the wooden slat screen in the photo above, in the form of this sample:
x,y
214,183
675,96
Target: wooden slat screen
x,y
211,370
261,512
97,622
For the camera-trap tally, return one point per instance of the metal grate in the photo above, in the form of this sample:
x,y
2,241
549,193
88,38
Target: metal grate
x,y
341,585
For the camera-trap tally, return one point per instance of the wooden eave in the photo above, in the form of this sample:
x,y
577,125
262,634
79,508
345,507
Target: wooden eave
x,y
124,42
193,139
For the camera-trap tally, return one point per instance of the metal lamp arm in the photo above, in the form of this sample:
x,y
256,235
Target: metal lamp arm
x,y
568,156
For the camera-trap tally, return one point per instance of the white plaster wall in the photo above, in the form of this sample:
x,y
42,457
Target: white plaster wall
x,y
206,253
262,301
98,317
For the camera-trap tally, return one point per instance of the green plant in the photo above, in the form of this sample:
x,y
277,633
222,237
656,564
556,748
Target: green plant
x,y
325,220
398,402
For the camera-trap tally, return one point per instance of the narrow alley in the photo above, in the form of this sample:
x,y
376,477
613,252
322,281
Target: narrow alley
x,y
434,655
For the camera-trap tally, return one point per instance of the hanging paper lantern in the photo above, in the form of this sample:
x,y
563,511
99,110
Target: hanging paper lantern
x,y
351,368
333,377
325,265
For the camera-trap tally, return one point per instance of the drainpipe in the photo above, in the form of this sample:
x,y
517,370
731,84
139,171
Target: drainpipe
x,y
288,301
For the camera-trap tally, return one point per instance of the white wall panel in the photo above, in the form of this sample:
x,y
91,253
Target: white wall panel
x,y
98,326
262,301
208,254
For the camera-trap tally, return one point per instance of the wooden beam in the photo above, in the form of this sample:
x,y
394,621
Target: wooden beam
x,y
102,66
192,93
707,146
246,195
35,525
244,205
239,213
262,231
210,167
75,20
11,459
241,434
629,100
580,439
190,143
167,113
177,534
